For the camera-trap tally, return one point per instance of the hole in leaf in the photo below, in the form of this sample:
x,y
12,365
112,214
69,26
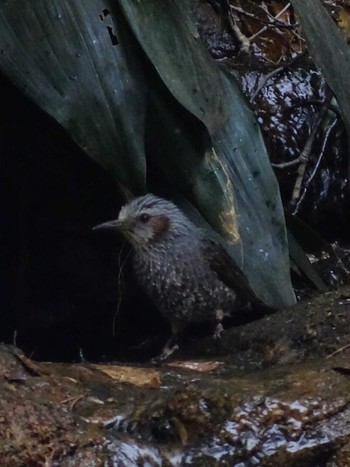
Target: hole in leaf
x,y
105,13
114,38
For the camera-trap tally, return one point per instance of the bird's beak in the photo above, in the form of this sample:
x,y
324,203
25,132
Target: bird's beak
x,y
116,224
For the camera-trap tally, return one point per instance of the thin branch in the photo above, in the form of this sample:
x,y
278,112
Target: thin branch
x,y
276,72
264,28
341,349
269,24
312,176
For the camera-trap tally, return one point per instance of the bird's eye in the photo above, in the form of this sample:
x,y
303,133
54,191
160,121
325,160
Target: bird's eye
x,y
144,218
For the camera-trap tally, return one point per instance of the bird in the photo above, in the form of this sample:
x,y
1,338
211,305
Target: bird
x,y
186,272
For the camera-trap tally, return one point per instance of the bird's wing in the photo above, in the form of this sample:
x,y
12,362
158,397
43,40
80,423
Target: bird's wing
x,y
227,269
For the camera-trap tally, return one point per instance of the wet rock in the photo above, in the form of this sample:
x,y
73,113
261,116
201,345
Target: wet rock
x,y
314,327
240,409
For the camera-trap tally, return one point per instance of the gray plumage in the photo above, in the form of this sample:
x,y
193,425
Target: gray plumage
x,y
189,276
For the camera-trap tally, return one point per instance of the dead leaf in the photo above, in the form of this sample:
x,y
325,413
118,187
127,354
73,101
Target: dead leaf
x,y
196,366
33,368
148,377
181,431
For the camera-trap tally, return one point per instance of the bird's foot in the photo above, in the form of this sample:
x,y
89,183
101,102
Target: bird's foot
x,y
218,331
167,351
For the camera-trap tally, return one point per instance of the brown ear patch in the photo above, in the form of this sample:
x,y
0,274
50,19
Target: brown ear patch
x,y
160,226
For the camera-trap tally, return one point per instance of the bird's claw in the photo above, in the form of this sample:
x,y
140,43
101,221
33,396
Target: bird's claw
x,y
165,353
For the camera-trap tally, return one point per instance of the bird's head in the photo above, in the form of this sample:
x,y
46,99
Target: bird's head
x,y
148,220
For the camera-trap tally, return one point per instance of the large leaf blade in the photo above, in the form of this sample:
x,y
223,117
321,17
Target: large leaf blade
x,y
236,158
97,92
61,55
328,49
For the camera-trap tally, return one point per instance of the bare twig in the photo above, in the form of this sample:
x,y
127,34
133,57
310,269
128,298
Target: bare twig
x,y
316,102
283,165
121,266
263,29
274,73
337,351
306,153
245,42
269,24
312,176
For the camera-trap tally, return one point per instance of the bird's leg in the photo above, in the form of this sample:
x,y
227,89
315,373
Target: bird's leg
x,y
219,329
170,347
